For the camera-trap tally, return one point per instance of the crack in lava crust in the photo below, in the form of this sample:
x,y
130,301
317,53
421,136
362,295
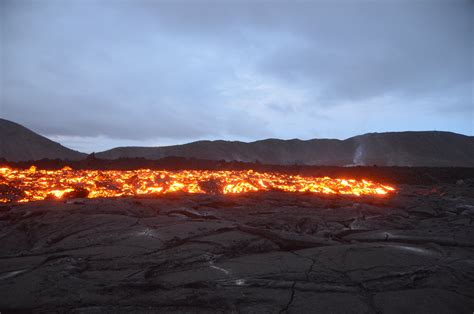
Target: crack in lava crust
x,y
18,185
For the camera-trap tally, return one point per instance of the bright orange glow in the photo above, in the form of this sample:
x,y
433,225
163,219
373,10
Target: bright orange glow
x,y
33,184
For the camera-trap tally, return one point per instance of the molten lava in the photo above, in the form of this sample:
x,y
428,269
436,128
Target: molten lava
x,y
32,184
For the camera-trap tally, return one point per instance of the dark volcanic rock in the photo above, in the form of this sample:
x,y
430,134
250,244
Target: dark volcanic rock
x,y
251,253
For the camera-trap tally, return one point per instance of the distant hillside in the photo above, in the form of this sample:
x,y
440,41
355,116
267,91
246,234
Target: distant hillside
x,y
416,149
19,143
430,148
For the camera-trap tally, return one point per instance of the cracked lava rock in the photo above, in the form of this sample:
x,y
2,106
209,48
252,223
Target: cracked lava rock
x,y
265,252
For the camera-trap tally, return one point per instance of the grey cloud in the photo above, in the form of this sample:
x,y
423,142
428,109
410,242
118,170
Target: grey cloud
x,y
144,70
390,50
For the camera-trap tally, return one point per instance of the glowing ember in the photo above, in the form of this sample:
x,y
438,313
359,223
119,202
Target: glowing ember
x,y
32,184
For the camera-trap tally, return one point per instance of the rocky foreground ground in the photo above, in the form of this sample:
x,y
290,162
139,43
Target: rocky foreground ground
x,y
267,252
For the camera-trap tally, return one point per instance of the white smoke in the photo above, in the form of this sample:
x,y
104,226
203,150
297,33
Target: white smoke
x,y
358,156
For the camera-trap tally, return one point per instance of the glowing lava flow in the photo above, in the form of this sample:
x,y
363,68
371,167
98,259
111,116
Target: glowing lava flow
x,y
32,184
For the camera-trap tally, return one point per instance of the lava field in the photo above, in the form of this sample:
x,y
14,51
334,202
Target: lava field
x,y
411,251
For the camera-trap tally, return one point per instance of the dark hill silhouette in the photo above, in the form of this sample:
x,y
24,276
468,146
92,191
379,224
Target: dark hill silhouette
x,y
415,149
429,148
19,143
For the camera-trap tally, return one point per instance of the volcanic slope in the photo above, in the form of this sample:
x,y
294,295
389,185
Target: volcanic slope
x,y
18,143
428,148
416,149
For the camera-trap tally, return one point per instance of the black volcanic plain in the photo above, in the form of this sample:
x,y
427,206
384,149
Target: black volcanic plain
x,y
269,252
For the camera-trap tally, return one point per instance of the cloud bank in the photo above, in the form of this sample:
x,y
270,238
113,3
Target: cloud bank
x,y
95,74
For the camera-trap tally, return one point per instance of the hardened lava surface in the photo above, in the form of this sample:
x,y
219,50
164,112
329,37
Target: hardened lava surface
x,y
257,252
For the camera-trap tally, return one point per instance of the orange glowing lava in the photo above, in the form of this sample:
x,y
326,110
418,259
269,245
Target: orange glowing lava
x,y
31,185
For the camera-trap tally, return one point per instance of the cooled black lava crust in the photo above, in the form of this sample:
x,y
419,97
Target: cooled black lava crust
x,y
252,253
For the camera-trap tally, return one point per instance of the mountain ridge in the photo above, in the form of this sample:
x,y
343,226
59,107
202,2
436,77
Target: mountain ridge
x,y
408,148
18,143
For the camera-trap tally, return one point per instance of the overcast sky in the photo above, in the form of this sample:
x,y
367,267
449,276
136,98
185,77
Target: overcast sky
x,y
98,74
